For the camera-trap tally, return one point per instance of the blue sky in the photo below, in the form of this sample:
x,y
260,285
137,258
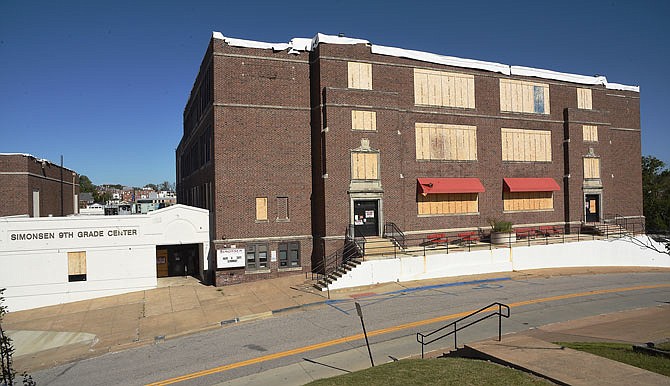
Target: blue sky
x,y
104,83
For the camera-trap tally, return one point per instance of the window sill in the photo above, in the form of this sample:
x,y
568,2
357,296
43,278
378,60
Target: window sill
x,y
257,271
526,162
525,113
283,220
528,210
449,214
448,160
289,269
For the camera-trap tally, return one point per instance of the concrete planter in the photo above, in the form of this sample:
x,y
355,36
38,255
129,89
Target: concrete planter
x,y
503,237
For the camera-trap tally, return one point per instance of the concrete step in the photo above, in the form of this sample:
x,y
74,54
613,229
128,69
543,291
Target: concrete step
x,y
379,246
559,364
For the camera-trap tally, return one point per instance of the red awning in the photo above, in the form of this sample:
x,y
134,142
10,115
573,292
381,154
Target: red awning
x,y
449,185
530,185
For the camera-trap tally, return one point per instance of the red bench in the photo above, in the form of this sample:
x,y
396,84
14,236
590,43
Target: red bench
x,y
524,232
437,238
550,230
468,237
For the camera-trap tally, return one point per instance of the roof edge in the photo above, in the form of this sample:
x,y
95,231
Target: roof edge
x,y
298,45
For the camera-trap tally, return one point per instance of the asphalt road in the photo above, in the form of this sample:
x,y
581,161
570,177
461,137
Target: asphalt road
x,y
328,332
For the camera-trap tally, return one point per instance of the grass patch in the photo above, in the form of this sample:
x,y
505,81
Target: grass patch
x,y
442,371
623,353
663,346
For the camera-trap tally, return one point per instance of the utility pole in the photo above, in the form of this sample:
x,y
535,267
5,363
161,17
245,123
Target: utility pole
x,y
62,199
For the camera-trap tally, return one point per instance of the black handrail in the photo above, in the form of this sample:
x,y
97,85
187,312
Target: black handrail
x,y
392,231
353,248
421,337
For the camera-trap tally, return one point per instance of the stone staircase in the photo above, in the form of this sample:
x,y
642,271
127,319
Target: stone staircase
x,y
606,229
324,282
375,248
378,247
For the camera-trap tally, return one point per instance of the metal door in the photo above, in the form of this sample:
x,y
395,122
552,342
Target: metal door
x,y
592,207
366,214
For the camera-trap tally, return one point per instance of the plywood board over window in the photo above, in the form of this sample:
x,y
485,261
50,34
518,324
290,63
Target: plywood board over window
x,y
360,75
76,266
447,203
527,201
590,133
363,120
526,145
584,100
445,89
591,168
364,166
261,208
524,97
436,141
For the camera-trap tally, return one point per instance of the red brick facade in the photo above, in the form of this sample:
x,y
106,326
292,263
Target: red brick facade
x,y
280,125
21,175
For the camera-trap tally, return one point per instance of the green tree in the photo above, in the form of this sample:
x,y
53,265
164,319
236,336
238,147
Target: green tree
x,y
85,185
7,372
102,197
656,194
166,186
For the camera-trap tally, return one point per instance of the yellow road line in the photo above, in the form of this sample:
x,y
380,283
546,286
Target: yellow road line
x,y
387,330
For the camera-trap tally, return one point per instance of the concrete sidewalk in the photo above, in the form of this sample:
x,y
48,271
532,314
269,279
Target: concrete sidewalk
x,y
532,351
49,336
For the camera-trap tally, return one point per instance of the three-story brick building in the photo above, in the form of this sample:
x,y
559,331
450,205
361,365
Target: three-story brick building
x,y
290,145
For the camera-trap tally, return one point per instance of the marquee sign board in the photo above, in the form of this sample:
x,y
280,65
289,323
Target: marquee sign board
x,y
230,258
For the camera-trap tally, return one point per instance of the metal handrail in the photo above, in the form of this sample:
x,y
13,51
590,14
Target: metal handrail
x,y
354,247
395,234
421,337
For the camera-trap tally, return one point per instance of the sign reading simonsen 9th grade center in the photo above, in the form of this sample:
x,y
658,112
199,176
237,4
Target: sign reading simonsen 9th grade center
x,y
72,234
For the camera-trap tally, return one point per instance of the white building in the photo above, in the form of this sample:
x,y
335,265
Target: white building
x,y
52,260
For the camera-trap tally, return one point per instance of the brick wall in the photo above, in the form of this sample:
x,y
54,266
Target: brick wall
x,y
20,175
282,128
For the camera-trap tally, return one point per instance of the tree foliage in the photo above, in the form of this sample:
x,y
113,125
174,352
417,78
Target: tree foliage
x,y
166,186
85,185
7,372
656,194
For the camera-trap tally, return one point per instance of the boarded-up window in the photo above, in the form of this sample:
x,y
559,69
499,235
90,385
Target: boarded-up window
x,y
364,166
439,88
584,100
436,141
363,120
282,208
447,203
261,208
76,266
524,97
590,133
360,75
527,201
591,168
526,145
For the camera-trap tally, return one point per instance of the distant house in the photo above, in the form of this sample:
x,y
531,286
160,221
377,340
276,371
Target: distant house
x,y
85,200
93,209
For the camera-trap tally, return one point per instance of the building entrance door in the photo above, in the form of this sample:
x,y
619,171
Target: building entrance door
x,y
366,215
592,206
177,260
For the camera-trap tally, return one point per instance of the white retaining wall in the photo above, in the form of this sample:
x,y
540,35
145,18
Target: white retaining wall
x,y
596,253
